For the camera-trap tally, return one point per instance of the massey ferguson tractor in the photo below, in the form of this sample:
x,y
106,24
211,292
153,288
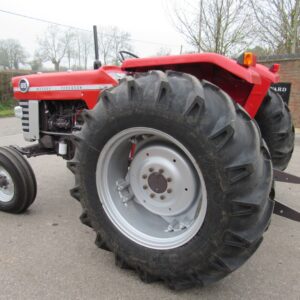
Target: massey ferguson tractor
x,y
174,158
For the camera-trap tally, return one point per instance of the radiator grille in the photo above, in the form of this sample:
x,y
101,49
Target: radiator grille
x,y
25,117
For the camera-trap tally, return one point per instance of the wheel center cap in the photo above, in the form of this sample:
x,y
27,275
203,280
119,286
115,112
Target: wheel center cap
x,y
157,182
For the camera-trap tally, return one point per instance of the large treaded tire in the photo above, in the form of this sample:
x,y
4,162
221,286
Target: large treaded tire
x,y
23,178
276,125
227,146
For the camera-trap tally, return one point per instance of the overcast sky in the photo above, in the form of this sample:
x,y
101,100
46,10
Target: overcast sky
x,y
144,20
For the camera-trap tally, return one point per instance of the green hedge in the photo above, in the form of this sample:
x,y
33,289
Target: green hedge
x,y
6,92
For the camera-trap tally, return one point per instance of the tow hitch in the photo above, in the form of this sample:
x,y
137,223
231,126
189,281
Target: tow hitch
x,y
281,209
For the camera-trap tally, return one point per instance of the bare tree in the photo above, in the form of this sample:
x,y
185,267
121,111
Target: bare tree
x,y
36,63
111,41
261,51
4,59
84,45
71,50
105,39
12,54
279,22
163,51
87,45
54,44
221,26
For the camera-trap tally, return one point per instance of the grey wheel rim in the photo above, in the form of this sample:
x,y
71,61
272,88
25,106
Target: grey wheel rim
x,y
7,187
159,199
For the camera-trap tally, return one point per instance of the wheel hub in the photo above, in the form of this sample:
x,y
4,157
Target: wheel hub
x,y
7,188
157,182
162,180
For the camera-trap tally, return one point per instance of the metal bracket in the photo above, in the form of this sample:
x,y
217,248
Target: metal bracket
x,y
33,150
285,177
286,212
279,208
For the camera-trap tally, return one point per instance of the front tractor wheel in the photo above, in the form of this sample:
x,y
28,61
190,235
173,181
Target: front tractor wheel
x,y
168,181
17,182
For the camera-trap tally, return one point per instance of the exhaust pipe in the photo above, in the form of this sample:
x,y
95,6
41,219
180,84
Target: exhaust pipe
x,y
97,62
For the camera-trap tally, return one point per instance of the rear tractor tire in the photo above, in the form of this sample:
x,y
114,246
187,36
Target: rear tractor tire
x,y
17,182
168,181
276,125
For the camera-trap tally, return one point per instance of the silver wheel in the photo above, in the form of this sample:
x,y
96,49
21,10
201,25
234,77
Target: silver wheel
x,y
159,198
7,187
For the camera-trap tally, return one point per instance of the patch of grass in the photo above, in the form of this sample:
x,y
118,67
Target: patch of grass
x,y
7,108
6,113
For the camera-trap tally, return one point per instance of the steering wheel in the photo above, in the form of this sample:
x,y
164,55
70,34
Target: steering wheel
x,y
122,57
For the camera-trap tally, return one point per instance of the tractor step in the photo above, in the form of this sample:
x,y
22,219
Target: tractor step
x,y
279,208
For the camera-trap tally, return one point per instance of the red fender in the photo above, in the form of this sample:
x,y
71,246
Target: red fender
x,y
246,85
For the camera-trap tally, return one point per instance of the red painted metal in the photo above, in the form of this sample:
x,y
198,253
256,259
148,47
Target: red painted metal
x,y
178,61
247,86
90,97
275,68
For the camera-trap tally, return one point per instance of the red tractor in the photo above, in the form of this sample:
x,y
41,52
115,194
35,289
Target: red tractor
x,y
173,158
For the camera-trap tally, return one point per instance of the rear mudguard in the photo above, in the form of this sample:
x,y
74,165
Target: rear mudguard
x,y
246,85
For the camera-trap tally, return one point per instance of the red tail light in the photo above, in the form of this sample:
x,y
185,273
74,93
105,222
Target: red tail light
x,y
275,68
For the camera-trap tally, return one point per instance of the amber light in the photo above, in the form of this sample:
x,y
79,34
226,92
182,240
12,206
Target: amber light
x,y
247,59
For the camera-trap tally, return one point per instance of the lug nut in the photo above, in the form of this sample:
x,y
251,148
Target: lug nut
x,y
152,195
169,191
144,176
145,187
151,169
169,179
161,171
162,197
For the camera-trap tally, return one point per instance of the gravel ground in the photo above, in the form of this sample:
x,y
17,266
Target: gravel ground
x,y
47,253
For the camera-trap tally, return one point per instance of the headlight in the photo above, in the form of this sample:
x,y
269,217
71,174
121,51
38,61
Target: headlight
x,y
18,112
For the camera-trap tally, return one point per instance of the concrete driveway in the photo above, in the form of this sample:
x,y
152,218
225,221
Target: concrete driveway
x,y
48,254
